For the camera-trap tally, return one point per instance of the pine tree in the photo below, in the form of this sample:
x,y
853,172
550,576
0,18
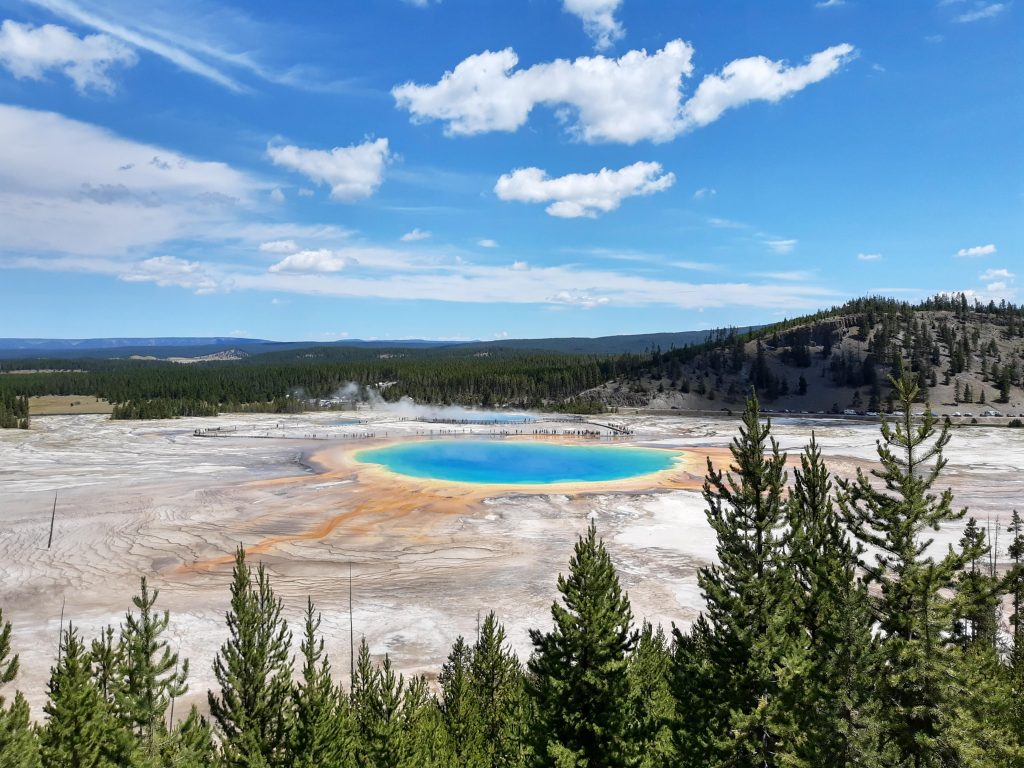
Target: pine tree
x,y
150,673
318,735
977,592
79,722
652,703
19,746
1013,585
460,707
833,704
750,596
913,618
381,713
700,719
498,687
254,672
579,673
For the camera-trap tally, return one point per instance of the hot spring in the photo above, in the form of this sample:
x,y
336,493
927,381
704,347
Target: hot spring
x,y
513,462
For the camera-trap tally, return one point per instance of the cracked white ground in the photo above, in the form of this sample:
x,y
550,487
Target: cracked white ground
x,y
149,498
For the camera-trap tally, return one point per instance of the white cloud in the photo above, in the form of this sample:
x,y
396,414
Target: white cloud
x,y
599,22
781,246
30,52
704,192
520,266
719,223
996,287
981,12
829,3
353,173
577,299
977,250
583,194
74,187
869,256
633,98
305,192
172,271
279,246
996,274
487,243
758,79
277,195
318,261
628,99
415,235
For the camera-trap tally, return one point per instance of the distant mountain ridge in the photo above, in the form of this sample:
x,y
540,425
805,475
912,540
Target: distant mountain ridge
x,y
200,346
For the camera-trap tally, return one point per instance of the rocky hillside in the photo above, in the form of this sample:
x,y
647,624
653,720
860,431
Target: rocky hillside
x,y
968,357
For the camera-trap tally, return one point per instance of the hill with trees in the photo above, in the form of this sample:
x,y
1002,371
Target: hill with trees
x,y
965,357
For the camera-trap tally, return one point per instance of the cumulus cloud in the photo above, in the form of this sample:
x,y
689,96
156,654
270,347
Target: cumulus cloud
x,y
352,173
318,261
599,22
626,100
982,11
583,194
758,79
977,250
487,243
30,52
520,266
633,98
415,235
781,246
869,256
279,246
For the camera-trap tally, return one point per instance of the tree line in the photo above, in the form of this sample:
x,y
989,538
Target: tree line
x,y
832,636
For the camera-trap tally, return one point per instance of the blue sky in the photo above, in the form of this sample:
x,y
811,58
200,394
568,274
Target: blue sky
x,y
476,169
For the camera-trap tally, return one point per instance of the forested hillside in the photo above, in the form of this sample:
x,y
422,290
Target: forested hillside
x,y
810,652
960,353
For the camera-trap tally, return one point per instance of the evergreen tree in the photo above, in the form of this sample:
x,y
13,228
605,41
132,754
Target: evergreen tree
x,y
80,726
498,688
751,599
652,703
1013,585
579,673
460,707
254,673
379,741
977,592
700,718
319,735
833,705
19,747
150,674
912,616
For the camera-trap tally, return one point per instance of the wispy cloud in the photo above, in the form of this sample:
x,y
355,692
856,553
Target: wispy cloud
x,y
981,11
977,250
781,246
415,235
184,34
869,256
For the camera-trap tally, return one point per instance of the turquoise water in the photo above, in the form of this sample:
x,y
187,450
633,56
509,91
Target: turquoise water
x,y
516,463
